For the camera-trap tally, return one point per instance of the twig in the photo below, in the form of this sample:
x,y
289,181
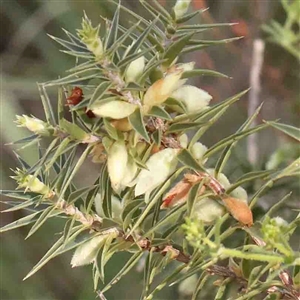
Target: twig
x,y
257,62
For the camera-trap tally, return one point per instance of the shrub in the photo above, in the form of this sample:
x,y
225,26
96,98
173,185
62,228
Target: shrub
x,y
159,193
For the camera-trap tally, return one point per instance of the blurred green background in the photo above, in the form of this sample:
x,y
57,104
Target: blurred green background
x,y
28,56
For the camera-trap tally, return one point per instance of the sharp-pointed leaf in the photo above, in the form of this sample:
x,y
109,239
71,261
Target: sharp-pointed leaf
x,y
292,131
176,48
186,158
21,222
159,112
136,121
202,72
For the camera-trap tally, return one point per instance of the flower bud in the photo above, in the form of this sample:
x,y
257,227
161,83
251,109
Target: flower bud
x,y
122,124
194,98
87,252
183,140
281,222
98,155
32,183
90,37
160,165
116,163
177,195
114,109
160,90
131,170
240,193
33,124
207,210
135,70
198,150
239,210
181,7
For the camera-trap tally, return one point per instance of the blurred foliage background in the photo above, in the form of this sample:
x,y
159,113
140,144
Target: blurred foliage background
x,y
28,55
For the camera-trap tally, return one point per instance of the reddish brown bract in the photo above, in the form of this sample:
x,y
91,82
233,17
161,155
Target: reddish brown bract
x,y
76,96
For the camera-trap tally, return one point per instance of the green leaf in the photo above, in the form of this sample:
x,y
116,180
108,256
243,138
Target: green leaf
x,y
46,214
202,72
167,219
176,48
184,126
18,194
59,248
193,193
200,284
227,151
157,137
129,211
62,146
232,138
161,9
121,40
74,196
204,128
74,171
73,130
22,205
69,45
77,77
253,274
41,162
74,39
34,137
292,131
99,92
104,256
277,205
173,102
46,105
166,280
21,222
130,58
147,276
154,12
69,225
90,198
136,121
205,26
188,17
222,289
107,193
111,130
159,112
150,67
139,42
186,158
219,106
249,177
214,42
201,44
127,267
113,32
78,54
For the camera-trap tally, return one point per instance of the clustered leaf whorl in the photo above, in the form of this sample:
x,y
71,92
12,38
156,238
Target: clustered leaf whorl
x,y
157,188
